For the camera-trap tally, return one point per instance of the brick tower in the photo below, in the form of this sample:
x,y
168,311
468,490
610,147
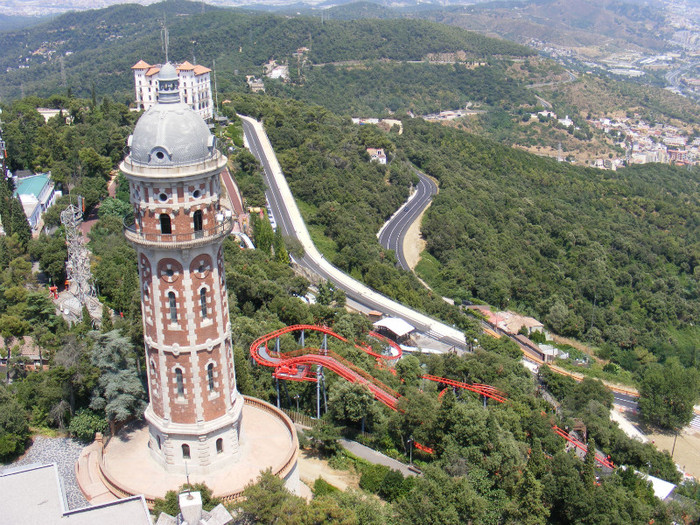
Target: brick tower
x,y
173,167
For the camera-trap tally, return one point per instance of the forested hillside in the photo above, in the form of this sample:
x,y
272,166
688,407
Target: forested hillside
x,y
100,46
610,257
378,88
604,255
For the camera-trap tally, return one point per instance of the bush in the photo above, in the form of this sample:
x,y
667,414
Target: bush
x,y
85,424
339,462
373,477
170,504
323,488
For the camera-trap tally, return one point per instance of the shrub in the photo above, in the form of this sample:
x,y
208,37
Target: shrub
x,y
85,424
323,488
373,477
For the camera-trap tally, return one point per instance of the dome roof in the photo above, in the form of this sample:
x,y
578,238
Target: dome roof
x,y
171,134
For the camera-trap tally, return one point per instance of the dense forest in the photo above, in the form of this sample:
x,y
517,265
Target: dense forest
x,y
381,88
608,256
102,45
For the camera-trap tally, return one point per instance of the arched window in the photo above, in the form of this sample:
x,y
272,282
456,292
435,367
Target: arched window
x,y
173,307
197,220
203,302
210,376
185,452
165,226
219,446
158,439
179,382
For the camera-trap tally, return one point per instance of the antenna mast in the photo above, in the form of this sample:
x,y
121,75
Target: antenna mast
x,y
78,265
165,39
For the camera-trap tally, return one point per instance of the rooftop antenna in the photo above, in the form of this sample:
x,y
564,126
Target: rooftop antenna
x,y
164,39
189,487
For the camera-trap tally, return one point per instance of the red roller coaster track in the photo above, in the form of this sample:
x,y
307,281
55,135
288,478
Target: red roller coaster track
x,y
296,366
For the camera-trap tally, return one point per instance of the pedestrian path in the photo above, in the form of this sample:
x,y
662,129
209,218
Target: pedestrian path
x,y
377,458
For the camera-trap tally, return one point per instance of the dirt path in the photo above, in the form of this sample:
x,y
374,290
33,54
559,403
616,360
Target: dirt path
x,y
687,452
311,468
413,243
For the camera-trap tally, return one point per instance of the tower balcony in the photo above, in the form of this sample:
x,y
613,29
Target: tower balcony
x,y
180,240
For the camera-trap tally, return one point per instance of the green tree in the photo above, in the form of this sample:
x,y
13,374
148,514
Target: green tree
x,y
281,255
350,403
114,207
14,430
263,234
438,499
268,502
11,327
527,506
119,392
667,394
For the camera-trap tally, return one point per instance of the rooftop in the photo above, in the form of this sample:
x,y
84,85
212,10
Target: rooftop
x,y
37,497
32,185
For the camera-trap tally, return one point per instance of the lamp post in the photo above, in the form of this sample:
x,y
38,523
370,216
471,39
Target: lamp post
x,y
410,450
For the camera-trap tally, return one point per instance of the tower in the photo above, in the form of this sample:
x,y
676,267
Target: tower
x,y
173,167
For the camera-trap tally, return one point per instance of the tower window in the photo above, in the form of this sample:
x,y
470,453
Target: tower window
x,y
179,382
197,219
210,376
165,226
173,307
219,446
185,452
203,302
159,443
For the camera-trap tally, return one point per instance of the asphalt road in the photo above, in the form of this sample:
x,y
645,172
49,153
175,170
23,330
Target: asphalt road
x,y
394,231
291,224
625,401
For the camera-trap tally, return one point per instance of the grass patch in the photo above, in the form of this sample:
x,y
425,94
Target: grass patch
x,y
325,245
428,268
595,370
46,432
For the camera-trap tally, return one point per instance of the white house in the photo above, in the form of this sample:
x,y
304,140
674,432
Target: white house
x,y
195,86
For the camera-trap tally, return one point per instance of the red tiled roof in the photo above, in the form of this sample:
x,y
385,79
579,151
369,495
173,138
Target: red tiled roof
x,y
140,65
152,71
186,66
200,70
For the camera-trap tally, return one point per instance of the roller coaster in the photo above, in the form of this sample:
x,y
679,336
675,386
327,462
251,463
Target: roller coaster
x,y
297,365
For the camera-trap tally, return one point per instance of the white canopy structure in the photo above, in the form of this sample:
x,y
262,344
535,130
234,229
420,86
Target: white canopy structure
x,y
397,326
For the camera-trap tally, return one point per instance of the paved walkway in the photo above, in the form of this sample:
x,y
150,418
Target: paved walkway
x,y
371,455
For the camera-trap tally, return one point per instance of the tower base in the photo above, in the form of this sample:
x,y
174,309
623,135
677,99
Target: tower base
x,y
125,466
196,449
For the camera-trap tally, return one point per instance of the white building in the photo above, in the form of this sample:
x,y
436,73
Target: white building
x,y
37,194
195,86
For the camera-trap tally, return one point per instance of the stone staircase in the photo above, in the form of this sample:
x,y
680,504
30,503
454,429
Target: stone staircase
x,y
87,472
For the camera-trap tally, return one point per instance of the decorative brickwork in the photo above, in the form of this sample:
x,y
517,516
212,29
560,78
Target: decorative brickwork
x,y
178,230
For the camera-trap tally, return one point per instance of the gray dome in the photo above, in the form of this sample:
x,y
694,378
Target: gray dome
x,y
171,134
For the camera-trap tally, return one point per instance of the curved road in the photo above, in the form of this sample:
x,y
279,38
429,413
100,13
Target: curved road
x,y
288,218
393,233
